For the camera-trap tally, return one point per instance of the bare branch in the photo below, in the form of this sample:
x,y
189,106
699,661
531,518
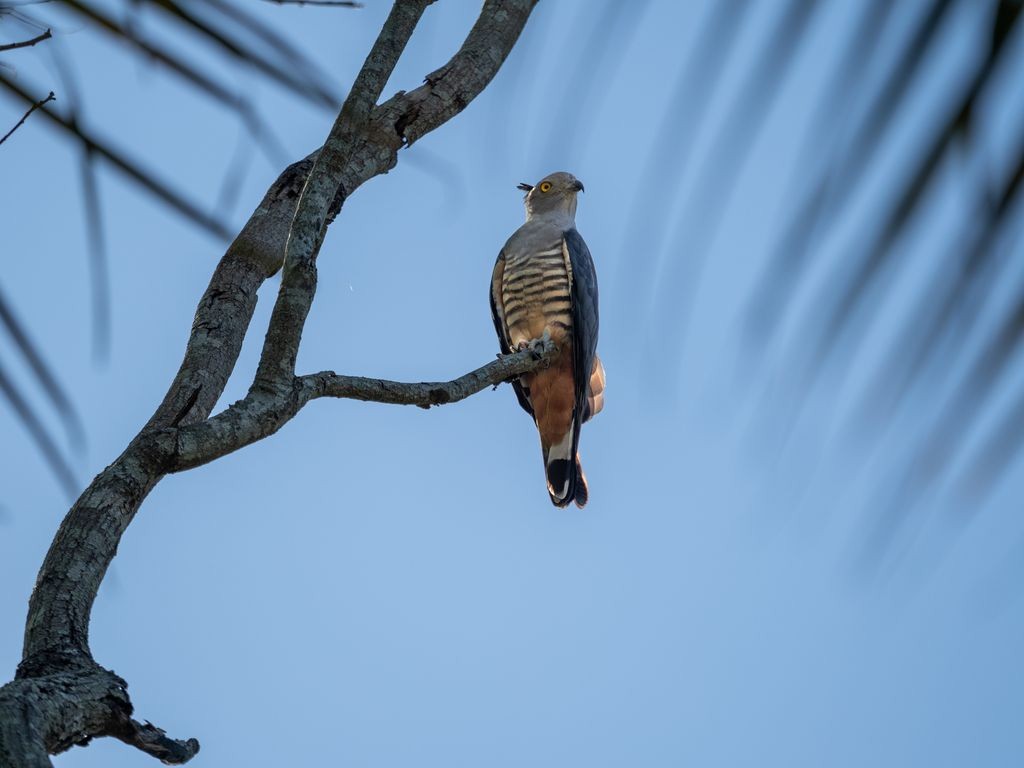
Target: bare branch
x,y
26,43
226,308
298,283
400,121
261,414
25,117
86,700
427,394
155,742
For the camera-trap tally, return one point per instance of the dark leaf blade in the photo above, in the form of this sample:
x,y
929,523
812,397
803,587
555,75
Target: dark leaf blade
x,y
99,272
44,443
130,36
319,3
947,309
846,80
284,48
930,461
145,178
974,391
996,456
298,83
666,162
444,172
617,22
819,148
231,185
851,293
720,171
44,377
836,186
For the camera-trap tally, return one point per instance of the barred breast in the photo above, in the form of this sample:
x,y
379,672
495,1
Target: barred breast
x,y
535,294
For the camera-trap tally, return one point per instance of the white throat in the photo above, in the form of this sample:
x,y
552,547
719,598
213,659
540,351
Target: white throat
x,y
563,217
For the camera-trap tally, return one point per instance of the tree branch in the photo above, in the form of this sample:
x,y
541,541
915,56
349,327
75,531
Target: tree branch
x,y
260,415
26,43
65,708
427,394
25,117
60,696
323,187
155,742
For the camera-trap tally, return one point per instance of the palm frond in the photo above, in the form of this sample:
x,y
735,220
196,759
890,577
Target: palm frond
x,y
711,192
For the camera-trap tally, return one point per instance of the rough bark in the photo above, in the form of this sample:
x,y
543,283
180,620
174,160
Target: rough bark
x,y
60,696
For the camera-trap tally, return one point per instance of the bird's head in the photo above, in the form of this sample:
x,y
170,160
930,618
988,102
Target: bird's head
x,y
554,195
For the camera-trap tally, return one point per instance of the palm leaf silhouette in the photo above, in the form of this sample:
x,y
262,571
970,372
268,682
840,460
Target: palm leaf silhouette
x,y
849,125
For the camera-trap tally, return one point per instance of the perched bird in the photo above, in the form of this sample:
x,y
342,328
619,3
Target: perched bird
x,y
544,285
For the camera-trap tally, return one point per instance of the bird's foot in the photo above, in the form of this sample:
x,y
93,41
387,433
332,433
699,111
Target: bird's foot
x,y
536,347
539,346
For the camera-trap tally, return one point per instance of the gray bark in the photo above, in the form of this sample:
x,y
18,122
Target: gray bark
x,y
60,696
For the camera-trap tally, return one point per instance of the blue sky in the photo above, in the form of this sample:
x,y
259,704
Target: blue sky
x,y
379,586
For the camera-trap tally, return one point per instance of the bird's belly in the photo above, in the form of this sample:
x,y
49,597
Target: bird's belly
x,y
536,300
536,322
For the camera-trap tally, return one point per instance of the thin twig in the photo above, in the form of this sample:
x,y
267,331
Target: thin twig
x,y
426,394
24,117
90,142
26,43
321,3
155,741
258,416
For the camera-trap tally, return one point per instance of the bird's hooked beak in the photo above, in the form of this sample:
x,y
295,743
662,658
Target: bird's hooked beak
x,y
577,185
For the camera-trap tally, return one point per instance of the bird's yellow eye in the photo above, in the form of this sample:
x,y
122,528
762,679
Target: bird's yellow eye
x,y
545,186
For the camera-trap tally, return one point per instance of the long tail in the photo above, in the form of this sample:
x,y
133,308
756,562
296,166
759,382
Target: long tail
x,y
566,481
582,490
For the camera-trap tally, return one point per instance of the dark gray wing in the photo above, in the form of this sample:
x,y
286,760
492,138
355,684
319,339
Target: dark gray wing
x,y
498,316
584,325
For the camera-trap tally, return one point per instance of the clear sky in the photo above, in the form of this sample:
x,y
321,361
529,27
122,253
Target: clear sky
x,y
379,586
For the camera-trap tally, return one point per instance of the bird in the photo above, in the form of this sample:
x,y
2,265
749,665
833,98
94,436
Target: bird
x,y
544,286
